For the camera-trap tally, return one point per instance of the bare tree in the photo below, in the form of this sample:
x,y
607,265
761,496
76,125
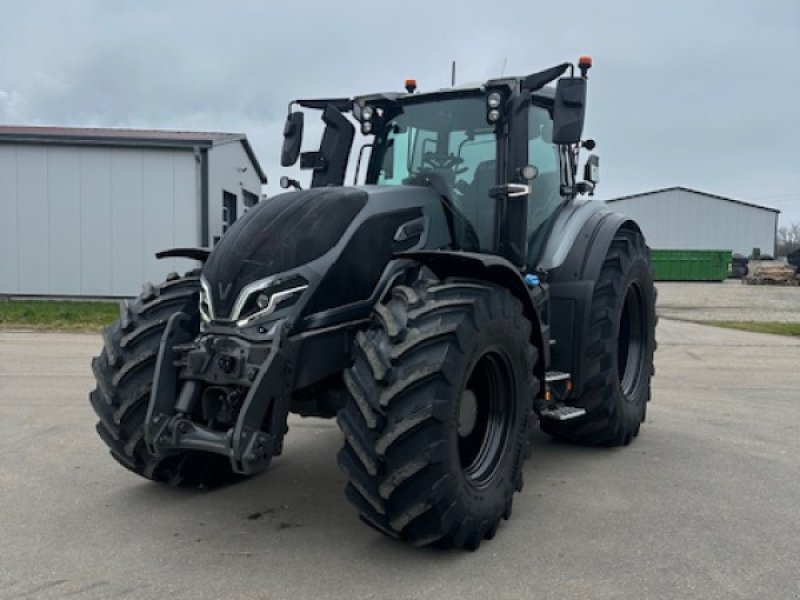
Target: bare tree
x,y
788,239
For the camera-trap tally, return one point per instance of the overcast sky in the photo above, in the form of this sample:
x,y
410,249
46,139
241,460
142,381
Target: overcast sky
x,y
698,93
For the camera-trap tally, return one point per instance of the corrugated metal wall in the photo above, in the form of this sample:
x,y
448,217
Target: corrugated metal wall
x,y
87,221
684,220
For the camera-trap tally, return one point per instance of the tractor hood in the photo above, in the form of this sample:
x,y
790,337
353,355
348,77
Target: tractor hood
x,y
277,235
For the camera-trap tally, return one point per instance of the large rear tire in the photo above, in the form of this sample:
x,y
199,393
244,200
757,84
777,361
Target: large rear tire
x,y
621,341
124,374
436,422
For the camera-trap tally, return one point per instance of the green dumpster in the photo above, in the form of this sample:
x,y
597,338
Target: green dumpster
x,y
691,265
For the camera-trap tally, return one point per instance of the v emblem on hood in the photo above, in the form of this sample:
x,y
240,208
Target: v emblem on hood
x,y
224,290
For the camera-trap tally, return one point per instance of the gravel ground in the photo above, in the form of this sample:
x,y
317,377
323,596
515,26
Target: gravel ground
x,y
728,301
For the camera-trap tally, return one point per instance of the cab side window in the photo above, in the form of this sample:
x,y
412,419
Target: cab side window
x,y
543,155
545,195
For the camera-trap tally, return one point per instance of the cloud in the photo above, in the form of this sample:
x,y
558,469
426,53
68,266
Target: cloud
x,y
697,93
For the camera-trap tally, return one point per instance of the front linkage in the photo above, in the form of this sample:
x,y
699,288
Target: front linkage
x,y
242,386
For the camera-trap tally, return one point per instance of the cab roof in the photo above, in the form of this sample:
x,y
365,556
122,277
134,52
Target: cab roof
x,y
547,92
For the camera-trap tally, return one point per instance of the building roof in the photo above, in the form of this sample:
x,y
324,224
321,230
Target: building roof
x,y
149,138
685,189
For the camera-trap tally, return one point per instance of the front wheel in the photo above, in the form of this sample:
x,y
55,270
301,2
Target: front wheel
x,y
436,423
124,374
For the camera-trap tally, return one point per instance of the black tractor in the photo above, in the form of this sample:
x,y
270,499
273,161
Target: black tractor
x,y
461,295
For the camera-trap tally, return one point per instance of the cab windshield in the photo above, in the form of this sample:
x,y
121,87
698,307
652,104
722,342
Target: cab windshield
x,y
451,140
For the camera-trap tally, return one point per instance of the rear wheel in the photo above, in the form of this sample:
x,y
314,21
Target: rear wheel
x,y
620,344
124,374
436,422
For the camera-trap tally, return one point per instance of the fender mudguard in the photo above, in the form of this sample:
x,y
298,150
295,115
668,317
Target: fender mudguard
x,y
573,258
497,270
200,254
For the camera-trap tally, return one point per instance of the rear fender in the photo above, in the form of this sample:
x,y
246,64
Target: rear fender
x,y
575,261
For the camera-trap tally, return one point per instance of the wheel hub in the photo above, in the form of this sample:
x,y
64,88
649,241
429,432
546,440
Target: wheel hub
x,y
484,417
468,413
631,341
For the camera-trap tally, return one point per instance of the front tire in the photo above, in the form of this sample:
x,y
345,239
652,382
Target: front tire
x,y
620,344
124,373
436,423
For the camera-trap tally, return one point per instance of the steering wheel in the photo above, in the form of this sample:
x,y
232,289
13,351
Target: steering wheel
x,y
437,162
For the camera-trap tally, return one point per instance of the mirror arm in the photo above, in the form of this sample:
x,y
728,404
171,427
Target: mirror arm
x,y
286,182
536,81
567,160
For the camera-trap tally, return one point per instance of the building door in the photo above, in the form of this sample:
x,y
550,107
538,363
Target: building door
x,y
229,213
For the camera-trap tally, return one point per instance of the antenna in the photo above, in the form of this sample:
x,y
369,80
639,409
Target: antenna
x,y
453,75
503,70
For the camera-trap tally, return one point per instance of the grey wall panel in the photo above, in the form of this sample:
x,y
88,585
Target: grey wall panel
x,y
186,214
9,239
159,207
65,236
95,221
230,170
127,235
78,220
683,220
33,242
156,207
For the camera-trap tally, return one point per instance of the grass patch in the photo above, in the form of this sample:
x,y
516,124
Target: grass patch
x,y
759,326
57,315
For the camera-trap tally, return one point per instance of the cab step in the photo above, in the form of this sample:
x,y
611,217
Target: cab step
x,y
556,377
562,412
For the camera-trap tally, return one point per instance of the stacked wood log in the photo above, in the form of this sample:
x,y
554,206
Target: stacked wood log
x,y
774,273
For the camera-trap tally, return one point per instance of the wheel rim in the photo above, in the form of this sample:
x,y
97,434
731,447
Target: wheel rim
x,y
485,416
632,340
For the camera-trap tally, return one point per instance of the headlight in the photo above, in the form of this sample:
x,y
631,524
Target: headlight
x,y
367,112
259,300
206,311
269,303
493,116
494,99
256,302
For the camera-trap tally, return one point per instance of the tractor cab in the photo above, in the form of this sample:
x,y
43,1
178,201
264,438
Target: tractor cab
x,y
501,154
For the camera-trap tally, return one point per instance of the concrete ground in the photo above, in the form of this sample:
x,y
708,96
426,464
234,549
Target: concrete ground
x,y
730,300
704,504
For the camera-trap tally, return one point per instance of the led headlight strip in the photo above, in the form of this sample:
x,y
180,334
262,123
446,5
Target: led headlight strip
x,y
274,300
258,287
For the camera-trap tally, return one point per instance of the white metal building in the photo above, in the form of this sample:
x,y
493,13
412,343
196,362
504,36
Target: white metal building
x,y
680,218
82,211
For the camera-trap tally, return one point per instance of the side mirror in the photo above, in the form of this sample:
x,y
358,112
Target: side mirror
x,y
569,110
287,182
292,138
